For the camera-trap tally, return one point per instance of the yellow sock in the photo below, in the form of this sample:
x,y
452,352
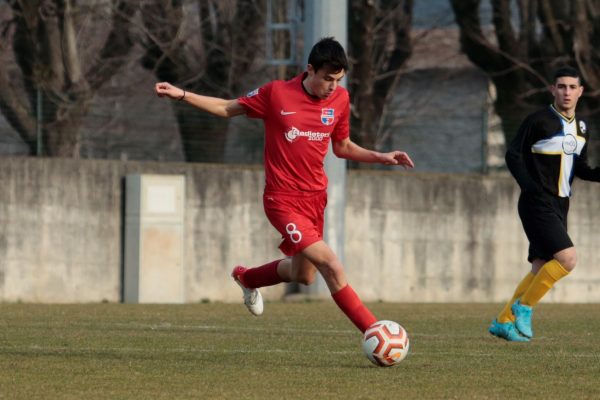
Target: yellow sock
x,y
506,314
546,277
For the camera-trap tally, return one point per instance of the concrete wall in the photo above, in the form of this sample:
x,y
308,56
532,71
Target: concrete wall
x,y
410,237
453,238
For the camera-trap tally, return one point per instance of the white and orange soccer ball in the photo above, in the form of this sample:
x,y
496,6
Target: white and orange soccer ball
x,y
385,343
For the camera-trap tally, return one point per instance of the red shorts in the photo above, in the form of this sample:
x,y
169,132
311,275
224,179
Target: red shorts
x,y
299,218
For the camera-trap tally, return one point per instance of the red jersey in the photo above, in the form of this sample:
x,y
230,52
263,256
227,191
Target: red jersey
x,y
298,129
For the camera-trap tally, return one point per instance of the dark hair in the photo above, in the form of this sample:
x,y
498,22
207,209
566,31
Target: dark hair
x,y
567,71
328,52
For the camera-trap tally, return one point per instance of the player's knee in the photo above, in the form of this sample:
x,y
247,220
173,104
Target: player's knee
x,y
304,275
568,260
569,263
306,278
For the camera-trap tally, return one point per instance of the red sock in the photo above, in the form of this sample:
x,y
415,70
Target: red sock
x,y
347,299
265,275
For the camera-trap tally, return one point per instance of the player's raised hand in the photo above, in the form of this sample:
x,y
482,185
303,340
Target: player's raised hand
x,y
398,158
166,89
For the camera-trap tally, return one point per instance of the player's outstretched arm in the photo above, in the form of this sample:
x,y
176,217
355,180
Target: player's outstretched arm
x,y
351,151
213,105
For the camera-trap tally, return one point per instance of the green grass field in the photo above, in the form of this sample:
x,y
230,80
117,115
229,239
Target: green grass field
x,y
294,351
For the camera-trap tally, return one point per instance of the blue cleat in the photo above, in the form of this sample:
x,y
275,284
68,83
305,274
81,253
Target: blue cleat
x,y
506,331
523,315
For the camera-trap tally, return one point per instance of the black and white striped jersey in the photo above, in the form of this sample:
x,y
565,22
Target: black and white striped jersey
x,y
548,151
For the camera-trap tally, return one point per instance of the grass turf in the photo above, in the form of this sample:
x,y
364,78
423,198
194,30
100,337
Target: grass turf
x,y
294,351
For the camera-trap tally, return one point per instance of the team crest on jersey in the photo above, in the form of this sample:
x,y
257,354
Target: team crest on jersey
x,y
252,93
327,116
569,144
582,127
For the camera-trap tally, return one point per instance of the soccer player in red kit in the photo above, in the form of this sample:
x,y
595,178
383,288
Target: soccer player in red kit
x,y
301,117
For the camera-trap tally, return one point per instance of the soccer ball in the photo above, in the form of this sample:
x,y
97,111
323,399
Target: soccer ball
x,y
385,343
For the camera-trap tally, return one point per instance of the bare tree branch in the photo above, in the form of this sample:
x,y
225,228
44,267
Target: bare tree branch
x,y
226,39
380,43
117,46
42,36
552,33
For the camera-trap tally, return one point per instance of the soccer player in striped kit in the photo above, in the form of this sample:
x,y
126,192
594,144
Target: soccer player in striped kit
x,y
301,117
548,151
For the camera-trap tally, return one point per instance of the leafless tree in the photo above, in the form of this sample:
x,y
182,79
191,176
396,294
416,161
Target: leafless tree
x,y
52,71
529,39
379,44
206,46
